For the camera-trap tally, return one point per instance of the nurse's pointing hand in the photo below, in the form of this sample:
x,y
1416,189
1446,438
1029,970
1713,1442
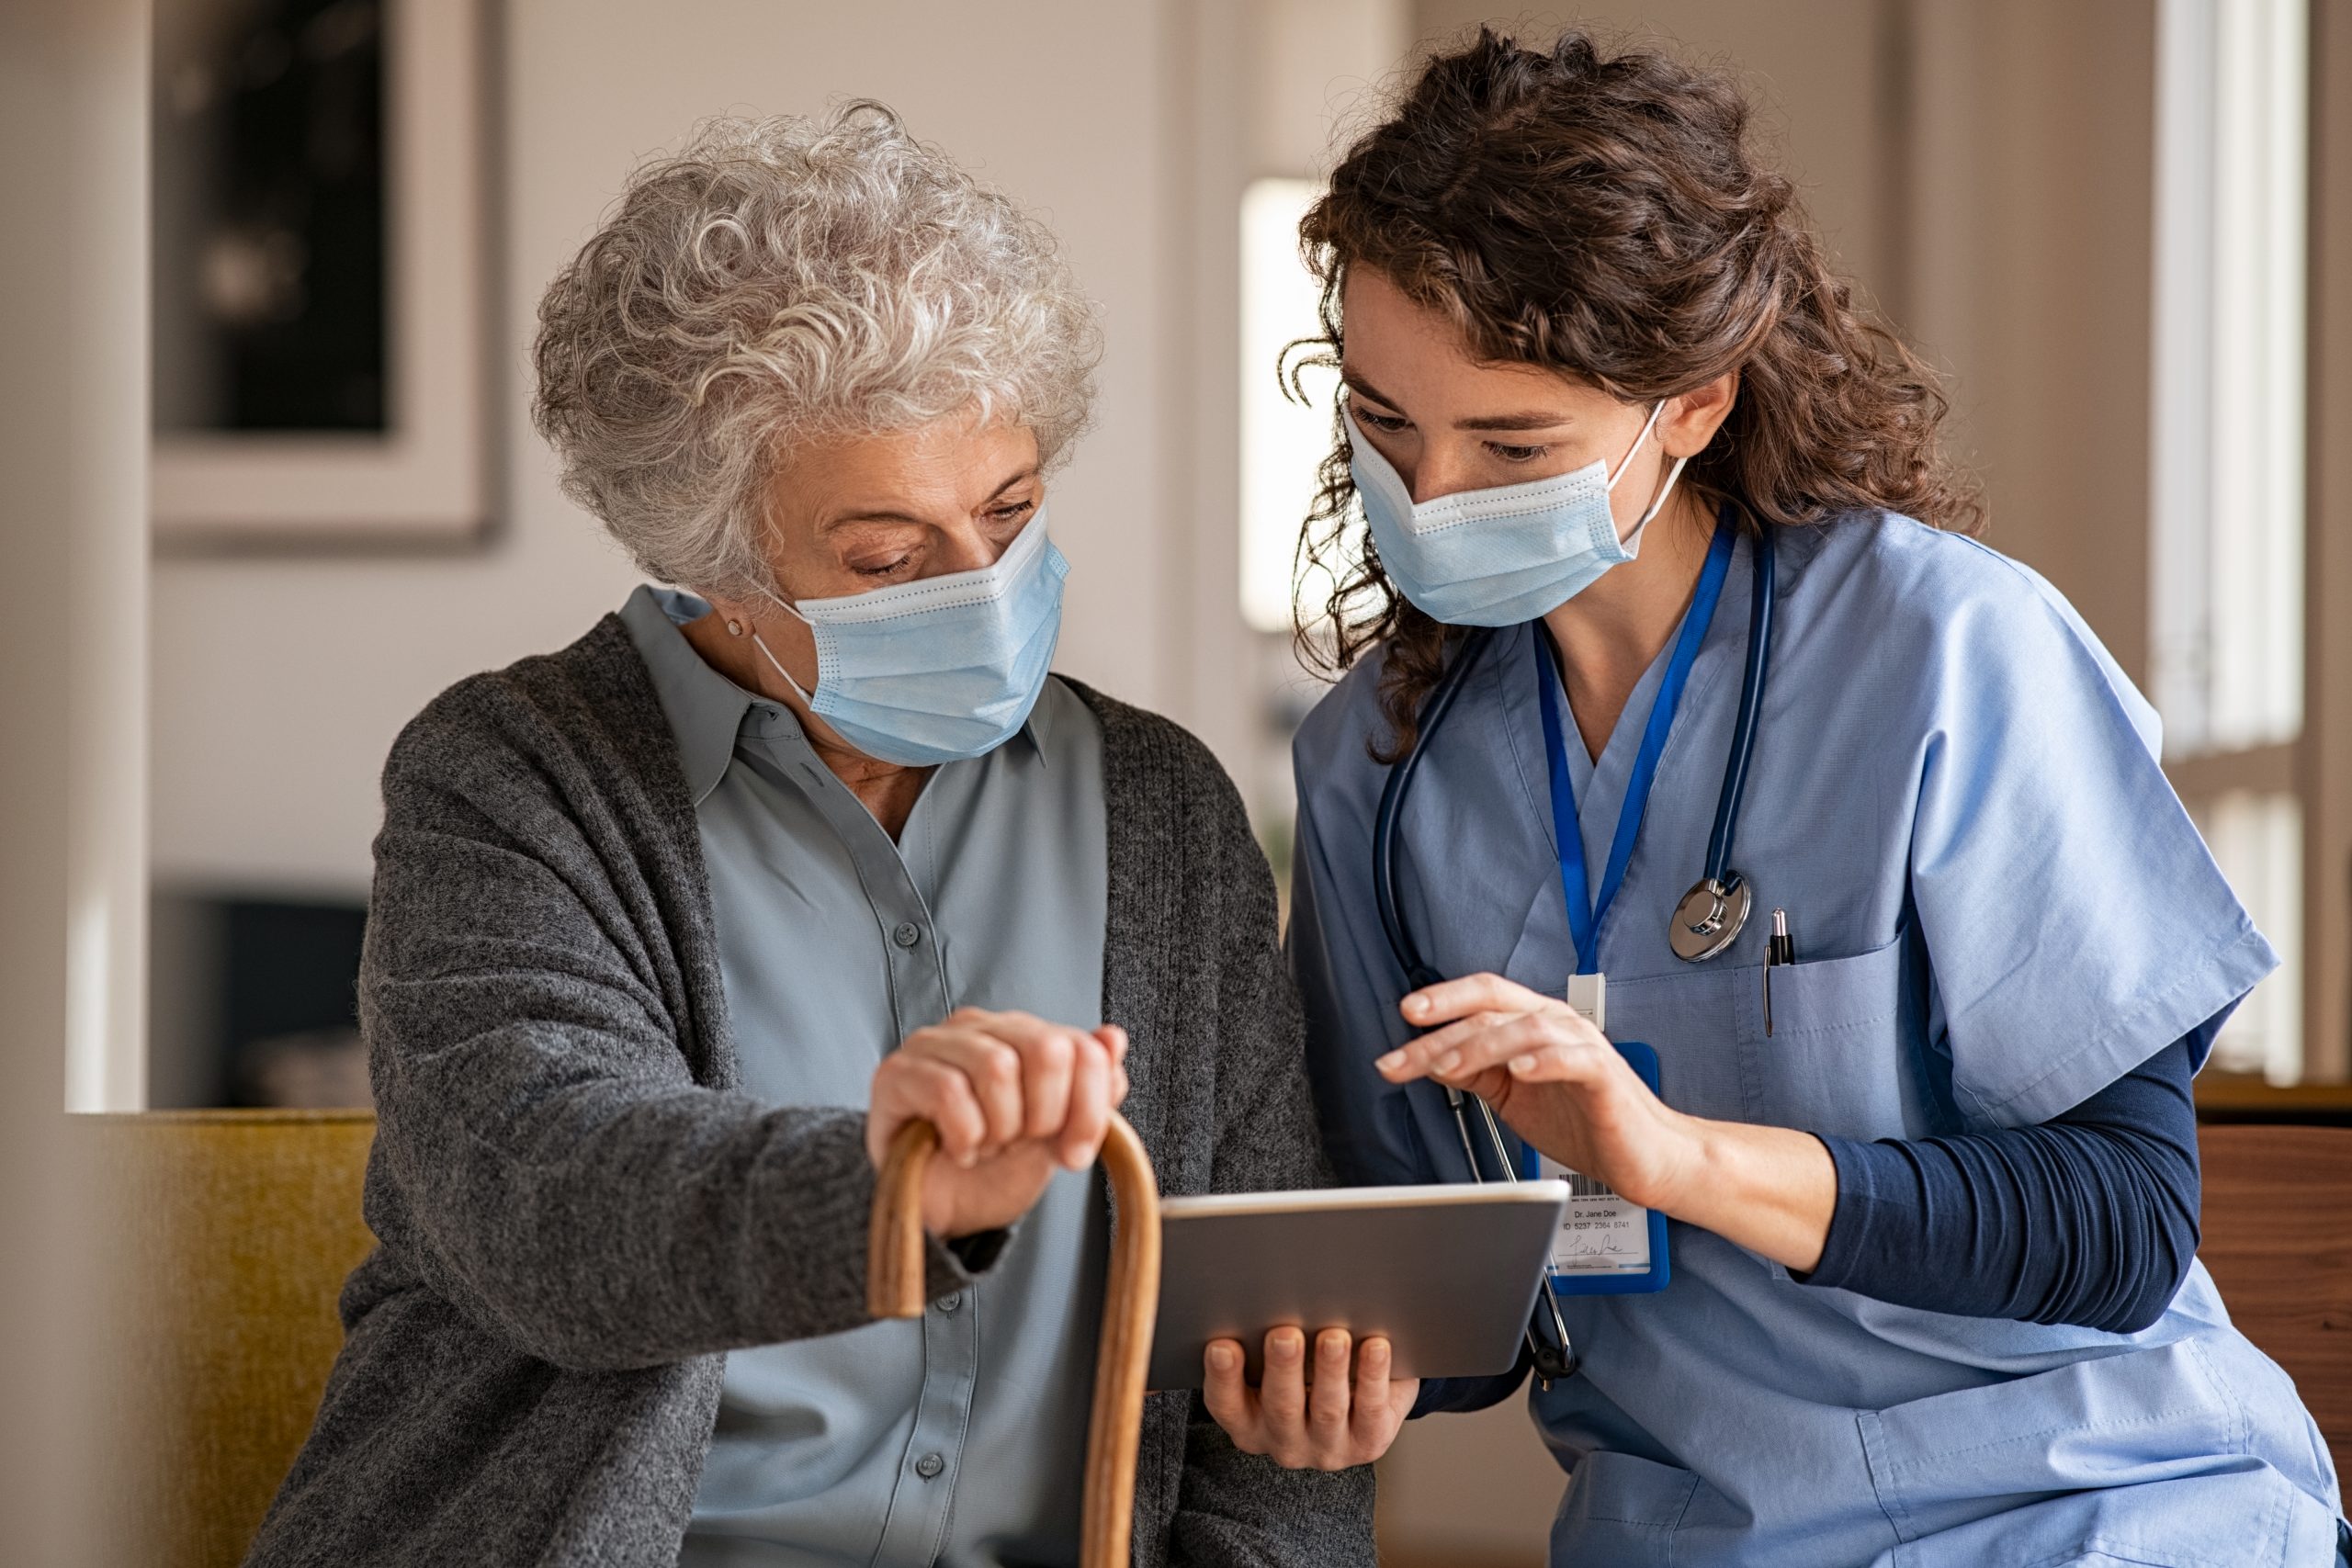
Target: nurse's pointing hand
x,y
1340,1421
1015,1098
1555,1078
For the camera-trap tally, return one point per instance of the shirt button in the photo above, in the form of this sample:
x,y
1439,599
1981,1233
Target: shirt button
x,y
908,934
951,1301
929,1466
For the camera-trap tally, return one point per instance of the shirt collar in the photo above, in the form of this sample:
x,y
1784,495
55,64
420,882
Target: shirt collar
x,y
707,710
703,707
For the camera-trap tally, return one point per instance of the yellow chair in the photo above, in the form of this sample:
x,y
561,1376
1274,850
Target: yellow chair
x,y
238,1227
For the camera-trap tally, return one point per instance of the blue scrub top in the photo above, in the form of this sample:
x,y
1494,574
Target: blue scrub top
x,y
1999,908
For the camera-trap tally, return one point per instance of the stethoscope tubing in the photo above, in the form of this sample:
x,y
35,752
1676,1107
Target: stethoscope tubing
x,y
1391,800
1763,594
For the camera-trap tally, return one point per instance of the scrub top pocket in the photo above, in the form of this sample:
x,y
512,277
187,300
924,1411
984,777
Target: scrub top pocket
x,y
1621,1509
1848,1053
2134,1455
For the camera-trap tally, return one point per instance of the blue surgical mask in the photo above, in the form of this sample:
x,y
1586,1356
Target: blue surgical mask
x,y
1498,557
942,669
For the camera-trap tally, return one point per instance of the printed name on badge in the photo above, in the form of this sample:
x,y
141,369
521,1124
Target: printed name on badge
x,y
1599,1232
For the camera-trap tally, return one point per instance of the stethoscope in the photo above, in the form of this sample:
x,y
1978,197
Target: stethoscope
x,y
1705,921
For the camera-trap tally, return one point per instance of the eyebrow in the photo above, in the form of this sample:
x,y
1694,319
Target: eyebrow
x,y
1533,419
846,518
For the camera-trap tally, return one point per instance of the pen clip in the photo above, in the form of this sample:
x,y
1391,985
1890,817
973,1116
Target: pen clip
x,y
1778,950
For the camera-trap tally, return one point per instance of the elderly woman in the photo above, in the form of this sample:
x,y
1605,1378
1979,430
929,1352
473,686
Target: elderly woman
x,y
672,929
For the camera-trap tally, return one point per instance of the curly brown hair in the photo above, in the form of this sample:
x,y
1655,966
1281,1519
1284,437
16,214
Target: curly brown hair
x,y
1604,217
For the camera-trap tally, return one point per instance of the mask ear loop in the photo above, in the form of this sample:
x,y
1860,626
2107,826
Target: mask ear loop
x,y
762,644
738,628
1658,504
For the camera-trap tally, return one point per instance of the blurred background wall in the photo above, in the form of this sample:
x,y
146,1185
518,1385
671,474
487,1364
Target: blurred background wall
x,y
2124,227
1988,174
72,724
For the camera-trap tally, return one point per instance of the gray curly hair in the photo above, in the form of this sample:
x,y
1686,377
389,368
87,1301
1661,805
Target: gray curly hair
x,y
782,279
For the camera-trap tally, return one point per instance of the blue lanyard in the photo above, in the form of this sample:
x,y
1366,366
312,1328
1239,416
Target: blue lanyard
x,y
1586,913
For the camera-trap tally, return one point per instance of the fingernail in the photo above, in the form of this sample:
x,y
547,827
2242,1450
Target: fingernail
x,y
1287,1346
1331,1349
1222,1358
1416,1004
1522,1065
1391,1061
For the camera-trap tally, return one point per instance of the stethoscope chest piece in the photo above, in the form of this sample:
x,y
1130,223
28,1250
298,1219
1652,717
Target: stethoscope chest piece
x,y
1709,917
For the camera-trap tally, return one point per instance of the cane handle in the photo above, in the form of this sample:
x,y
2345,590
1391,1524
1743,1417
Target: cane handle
x,y
1130,1307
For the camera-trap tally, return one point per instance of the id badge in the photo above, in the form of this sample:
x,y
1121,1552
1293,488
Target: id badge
x,y
1606,1244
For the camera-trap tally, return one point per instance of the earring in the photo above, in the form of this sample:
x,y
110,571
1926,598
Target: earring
x,y
734,627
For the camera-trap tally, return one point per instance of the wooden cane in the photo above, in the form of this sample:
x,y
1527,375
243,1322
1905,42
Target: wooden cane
x,y
894,1288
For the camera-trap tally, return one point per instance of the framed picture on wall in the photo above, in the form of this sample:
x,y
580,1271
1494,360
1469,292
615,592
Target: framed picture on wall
x,y
321,272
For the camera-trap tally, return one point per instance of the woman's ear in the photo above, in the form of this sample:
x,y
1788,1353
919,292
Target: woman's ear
x,y
1692,418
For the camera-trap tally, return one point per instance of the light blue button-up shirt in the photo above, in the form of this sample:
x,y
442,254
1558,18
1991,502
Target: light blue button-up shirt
x,y
955,1439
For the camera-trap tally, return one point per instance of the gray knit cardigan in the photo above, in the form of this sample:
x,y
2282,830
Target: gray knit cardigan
x,y
578,1212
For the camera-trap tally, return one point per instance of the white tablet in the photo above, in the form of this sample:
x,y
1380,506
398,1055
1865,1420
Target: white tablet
x,y
1448,1274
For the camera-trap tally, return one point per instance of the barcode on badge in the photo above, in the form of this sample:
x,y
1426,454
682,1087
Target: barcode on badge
x,y
1583,1186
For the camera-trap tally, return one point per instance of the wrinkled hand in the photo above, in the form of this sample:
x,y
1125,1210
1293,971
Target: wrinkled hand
x,y
1334,1426
1015,1098
1556,1079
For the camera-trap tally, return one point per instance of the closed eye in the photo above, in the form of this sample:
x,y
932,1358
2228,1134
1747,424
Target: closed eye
x,y
1511,453
1386,423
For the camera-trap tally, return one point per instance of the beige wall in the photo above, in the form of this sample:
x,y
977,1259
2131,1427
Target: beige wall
x,y
280,683
2029,212
2325,767
1813,67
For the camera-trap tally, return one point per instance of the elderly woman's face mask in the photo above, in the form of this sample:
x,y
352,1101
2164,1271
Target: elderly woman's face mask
x,y
943,667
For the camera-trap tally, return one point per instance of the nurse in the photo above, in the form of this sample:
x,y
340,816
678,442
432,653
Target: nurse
x,y
1932,1185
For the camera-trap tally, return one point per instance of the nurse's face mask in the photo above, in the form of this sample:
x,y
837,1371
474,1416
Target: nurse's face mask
x,y
942,669
1501,556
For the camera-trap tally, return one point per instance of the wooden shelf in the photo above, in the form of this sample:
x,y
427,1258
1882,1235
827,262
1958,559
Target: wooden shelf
x,y
2233,1098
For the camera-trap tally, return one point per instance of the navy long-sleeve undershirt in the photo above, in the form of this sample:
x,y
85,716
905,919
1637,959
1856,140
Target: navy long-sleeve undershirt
x,y
2090,1218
